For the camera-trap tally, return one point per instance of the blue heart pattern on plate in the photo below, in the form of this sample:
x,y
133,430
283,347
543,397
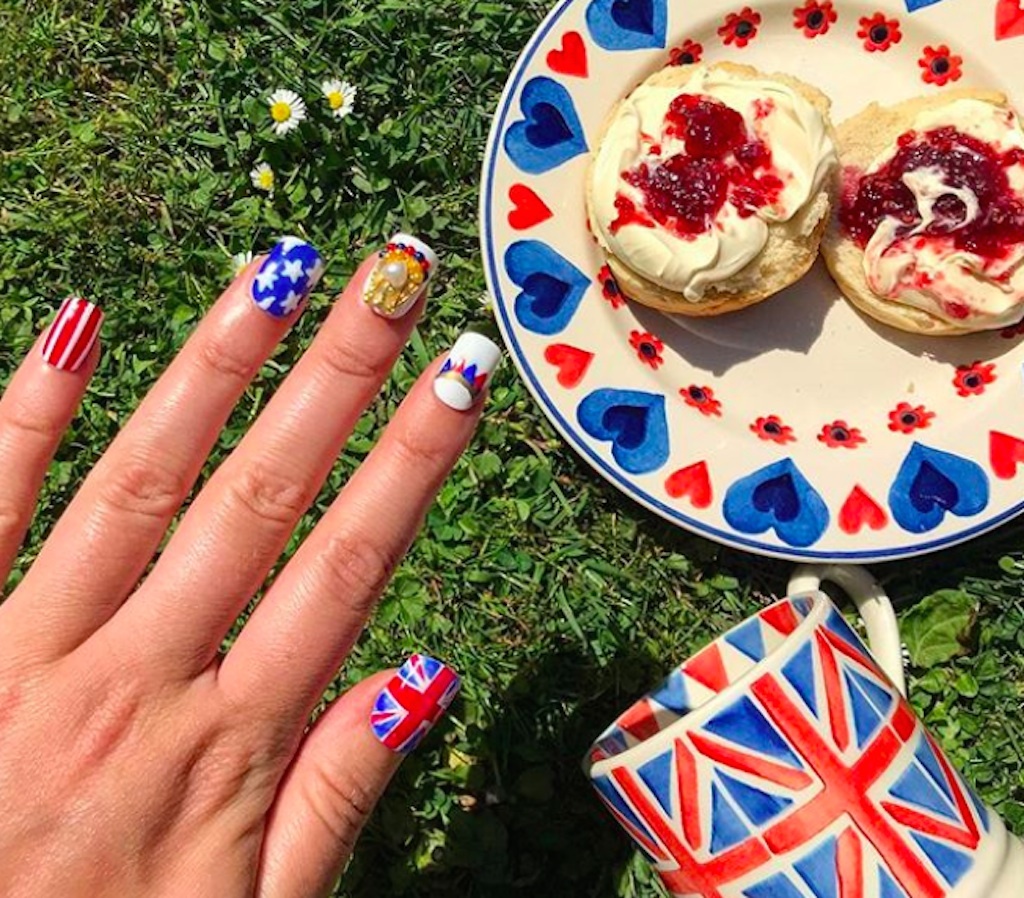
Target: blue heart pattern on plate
x,y
628,24
633,422
777,498
932,484
552,287
550,134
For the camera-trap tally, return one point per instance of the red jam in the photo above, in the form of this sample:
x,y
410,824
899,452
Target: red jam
x,y
629,214
966,163
722,163
709,129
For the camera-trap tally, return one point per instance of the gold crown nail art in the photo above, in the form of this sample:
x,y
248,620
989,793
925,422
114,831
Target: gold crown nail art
x,y
403,268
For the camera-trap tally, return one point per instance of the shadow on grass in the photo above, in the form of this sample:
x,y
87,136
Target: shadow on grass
x,y
534,826
528,822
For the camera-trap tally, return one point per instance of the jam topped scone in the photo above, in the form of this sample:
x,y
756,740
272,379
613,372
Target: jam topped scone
x,y
710,187
930,230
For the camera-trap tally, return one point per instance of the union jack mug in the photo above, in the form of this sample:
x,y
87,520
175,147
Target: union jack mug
x,y
782,762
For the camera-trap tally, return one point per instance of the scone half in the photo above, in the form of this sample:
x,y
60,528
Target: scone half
x,y
760,146
928,156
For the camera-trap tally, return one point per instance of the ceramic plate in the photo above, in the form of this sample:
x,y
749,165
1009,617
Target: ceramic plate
x,y
796,428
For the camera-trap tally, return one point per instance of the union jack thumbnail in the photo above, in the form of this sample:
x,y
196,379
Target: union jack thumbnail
x,y
415,699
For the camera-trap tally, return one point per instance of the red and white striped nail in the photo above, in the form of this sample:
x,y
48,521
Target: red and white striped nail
x,y
72,334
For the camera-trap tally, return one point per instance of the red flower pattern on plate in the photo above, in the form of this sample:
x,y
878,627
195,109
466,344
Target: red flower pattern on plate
x,y
771,429
879,32
687,53
971,380
939,66
907,418
740,28
839,435
610,288
702,399
815,18
648,348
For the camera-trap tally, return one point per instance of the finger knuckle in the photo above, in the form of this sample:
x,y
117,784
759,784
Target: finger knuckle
x,y
21,422
342,803
343,359
114,703
13,519
224,357
229,764
269,496
421,451
358,568
145,488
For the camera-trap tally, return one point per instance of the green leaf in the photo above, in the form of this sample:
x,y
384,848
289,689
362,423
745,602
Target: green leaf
x,y
209,139
967,685
940,627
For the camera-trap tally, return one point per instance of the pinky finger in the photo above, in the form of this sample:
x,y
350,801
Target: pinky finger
x,y
35,411
341,771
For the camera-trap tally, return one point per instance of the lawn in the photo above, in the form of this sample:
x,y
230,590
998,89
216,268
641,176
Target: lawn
x,y
129,131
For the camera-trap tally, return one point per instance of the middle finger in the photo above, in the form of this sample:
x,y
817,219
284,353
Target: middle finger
x,y
241,522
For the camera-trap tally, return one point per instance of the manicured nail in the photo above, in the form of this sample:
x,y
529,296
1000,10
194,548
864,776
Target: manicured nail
x,y
72,334
287,277
412,702
467,371
403,270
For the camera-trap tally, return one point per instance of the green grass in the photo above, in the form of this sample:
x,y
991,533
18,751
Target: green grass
x,y
128,130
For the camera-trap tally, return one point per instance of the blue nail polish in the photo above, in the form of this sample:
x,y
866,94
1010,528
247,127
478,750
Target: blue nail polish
x,y
287,276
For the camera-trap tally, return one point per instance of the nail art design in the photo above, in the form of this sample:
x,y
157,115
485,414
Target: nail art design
x,y
415,699
467,371
287,277
72,334
403,270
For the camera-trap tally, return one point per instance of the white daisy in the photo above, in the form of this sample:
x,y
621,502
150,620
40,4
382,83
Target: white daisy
x,y
341,96
262,177
240,261
287,109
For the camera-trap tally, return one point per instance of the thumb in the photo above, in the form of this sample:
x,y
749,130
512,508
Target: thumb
x,y
340,772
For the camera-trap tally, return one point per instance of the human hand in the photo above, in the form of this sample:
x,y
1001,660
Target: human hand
x,y
135,758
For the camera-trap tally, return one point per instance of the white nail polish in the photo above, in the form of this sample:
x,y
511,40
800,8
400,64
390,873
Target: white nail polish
x,y
467,371
404,269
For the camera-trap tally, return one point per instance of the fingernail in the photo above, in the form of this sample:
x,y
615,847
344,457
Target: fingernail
x,y
467,371
403,270
412,702
72,334
287,277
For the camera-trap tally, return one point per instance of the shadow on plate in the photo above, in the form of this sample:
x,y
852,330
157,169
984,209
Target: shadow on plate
x,y
794,321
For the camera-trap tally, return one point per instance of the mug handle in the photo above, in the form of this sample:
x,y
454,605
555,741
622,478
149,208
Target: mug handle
x,y
873,605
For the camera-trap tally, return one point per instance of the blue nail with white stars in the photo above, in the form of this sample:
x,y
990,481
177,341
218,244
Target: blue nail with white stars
x,y
287,277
